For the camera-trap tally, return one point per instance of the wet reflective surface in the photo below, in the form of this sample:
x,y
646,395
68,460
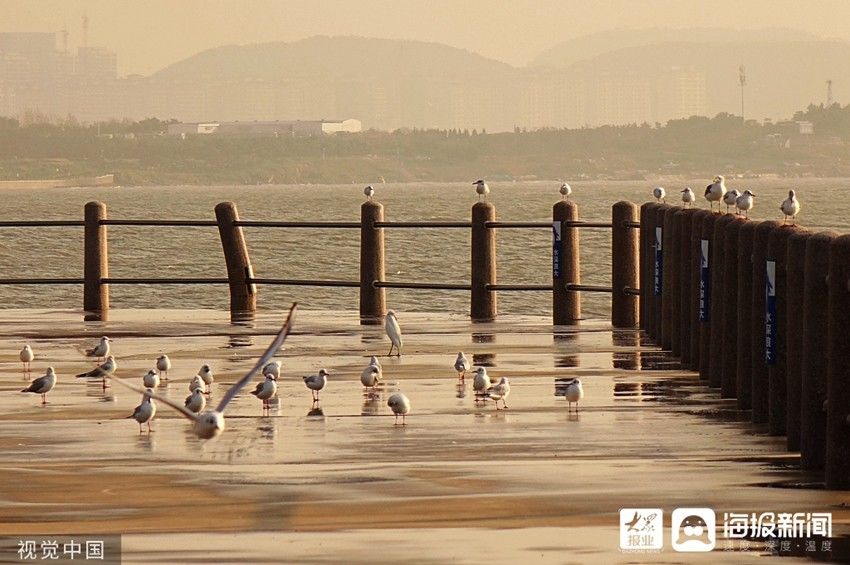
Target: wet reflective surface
x,y
316,482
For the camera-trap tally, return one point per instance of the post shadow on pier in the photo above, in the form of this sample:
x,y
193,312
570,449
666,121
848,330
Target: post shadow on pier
x,y
776,331
706,296
743,350
795,266
670,271
815,350
719,294
695,275
95,263
837,467
729,356
759,379
566,264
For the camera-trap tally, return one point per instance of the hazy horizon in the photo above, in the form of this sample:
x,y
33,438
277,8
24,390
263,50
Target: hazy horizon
x,y
152,35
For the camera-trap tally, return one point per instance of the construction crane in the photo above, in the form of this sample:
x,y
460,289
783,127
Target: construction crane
x,y
829,93
742,80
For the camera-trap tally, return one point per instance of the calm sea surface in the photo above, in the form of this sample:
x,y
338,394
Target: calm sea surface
x,y
524,256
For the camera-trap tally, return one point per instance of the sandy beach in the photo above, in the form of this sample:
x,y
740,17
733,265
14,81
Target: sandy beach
x,y
460,482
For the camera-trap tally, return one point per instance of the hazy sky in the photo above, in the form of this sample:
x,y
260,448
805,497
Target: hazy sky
x,y
150,34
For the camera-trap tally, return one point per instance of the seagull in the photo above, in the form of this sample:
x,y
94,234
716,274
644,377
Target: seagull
x,y
688,197
745,203
265,390
197,383
790,207
151,379
481,383
100,351
400,405
196,401
26,358
715,191
573,393
481,188
393,332
659,193
211,423
42,385
145,411
163,365
500,392
369,191
461,365
102,371
730,198
316,383
565,191
273,369
371,376
206,375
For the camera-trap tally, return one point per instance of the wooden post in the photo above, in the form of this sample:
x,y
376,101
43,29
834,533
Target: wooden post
x,y
482,300
674,279
686,305
372,300
718,297
646,259
566,266
795,272
729,357
815,349
696,276
837,468
95,263
776,354
243,294
624,265
658,302
744,356
670,272
760,388
706,252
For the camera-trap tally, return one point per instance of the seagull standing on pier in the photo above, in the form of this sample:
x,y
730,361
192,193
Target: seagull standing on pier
x,y
26,358
163,365
688,197
462,365
102,371
481,188
731,199
211,423
745,203
790,207
481,383
265,391
316,383
371,376
42,385
500,392
659,193
715,191
144,412
197,383
573,393
400,405
150,379
206,375
369,191
196,401
100,351
393,332
565,191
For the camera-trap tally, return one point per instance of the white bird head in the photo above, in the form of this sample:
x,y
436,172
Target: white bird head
x,y
479,182
748,193
50,371
391,314
323,373
104,339
209,424
792,195
503,381
565,189
481,370
719,178
205,368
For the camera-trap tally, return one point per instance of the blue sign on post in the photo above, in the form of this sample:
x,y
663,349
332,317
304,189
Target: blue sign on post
x,y
556,250
704,281
659,261
770,328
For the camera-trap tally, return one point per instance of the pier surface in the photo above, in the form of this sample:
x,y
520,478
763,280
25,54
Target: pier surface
x,y
460,482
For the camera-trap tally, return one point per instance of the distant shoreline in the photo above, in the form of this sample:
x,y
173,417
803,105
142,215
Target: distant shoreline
x,y
102,180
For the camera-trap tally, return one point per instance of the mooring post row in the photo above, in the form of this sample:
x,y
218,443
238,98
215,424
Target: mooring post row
x,y
95,263
624,265
372,264
566,265
243,293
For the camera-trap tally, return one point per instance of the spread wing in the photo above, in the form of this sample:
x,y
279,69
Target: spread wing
x,y
181,409
267,356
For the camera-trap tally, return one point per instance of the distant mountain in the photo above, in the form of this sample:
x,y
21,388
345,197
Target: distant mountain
x,y
586,47
338,57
